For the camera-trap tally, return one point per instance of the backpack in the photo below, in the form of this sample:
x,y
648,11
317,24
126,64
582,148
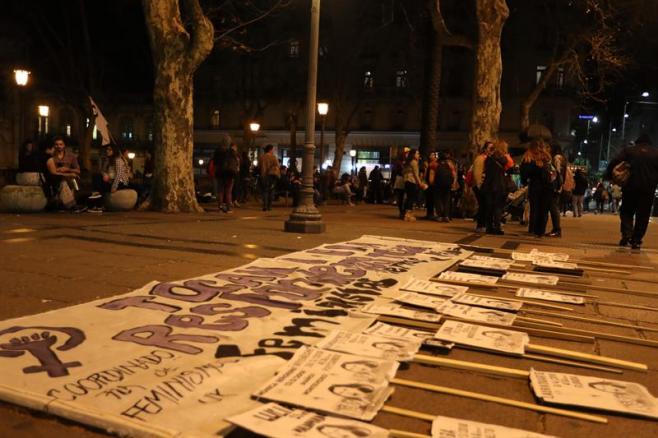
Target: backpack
x,y
444,176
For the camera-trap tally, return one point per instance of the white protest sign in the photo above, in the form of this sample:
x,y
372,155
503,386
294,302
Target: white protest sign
x,y
546,295
489,302
394,331
444,427
363,344
549,263
488,338
487,263
472,313
315,384
537,255
420,300
468,278
276,421
594,392
392,309
433,288
518,277
176,357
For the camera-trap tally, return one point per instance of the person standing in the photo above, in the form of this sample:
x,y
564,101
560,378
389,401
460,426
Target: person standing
x,y
477,177
226,169
269,175
535,173
430,193
639,190
494,187
376,185
559,163
579,192
363,184
445,178
412,183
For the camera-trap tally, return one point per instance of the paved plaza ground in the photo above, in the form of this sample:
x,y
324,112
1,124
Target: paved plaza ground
x,y
55,260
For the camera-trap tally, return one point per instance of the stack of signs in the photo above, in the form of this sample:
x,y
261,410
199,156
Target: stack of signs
x,y
392,309
379,347
433,288
275,421
420,300
547,295
443,427
517,277
485,265
538,255
488,302
462,277
549,265
394,331
343,384
487,338
594,392
472,313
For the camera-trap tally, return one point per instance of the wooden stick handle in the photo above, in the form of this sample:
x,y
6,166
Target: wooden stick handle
x,y
584,357
394,433
408,413
539,321
494,399
471,366
600,335
571,363
590,320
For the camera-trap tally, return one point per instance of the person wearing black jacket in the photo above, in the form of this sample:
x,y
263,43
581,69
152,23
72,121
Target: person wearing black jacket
x,y
578,192
639,191
494,186
536,174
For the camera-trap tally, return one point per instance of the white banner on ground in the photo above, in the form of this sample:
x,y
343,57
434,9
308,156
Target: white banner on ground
x,y
392,309
547,295
444,427
518,277
394,331
468,278
479,314
420,300
488,338
311,381
176,357
433,288
594,392
488,302
379,347
275,421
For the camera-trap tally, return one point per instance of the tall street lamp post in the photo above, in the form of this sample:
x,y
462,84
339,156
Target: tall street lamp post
x,y
254,127
323,109
21,77
353,157
645,95
306,218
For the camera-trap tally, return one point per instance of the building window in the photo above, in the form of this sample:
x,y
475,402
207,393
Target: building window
x,y
401,78
68,130
127,129
539,73
559,83
293,49
214,119
368,80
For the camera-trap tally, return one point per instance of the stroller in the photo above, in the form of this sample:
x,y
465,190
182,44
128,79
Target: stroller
x,y
515,205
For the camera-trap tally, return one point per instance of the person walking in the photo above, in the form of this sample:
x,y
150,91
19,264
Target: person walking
x,y
412,183
494,186
536,174
638,192
269,175
580,187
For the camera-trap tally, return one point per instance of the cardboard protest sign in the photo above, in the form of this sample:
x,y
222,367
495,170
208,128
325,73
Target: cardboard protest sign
x,y
394,331
433,288
488,302
518,277
472,313
546,295
276,421
370,345
420,300
538,255
392,309
488,338
443,427
321,385
487,263
176,357
468,278
548,263
594,392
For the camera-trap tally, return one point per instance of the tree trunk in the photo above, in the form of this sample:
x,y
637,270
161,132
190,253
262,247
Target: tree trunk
x,y
341,138
428,133
177,53
485,120
529,101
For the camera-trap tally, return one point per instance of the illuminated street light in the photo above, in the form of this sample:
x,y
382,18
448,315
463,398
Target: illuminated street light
x,y
131,155
595,119
585,141
626,115
254,126
645,94
323,109
614,129
21,77
44,110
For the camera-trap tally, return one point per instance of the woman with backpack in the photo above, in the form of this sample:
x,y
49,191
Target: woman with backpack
x,y
536,174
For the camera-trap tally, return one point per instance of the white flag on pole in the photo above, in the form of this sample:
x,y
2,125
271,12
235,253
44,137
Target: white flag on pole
x,y
101,123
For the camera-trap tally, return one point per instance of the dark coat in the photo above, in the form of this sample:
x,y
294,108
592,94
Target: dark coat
x,y
643,159
494,175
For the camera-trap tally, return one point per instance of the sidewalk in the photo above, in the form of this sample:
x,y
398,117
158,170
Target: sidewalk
x,y
59,259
